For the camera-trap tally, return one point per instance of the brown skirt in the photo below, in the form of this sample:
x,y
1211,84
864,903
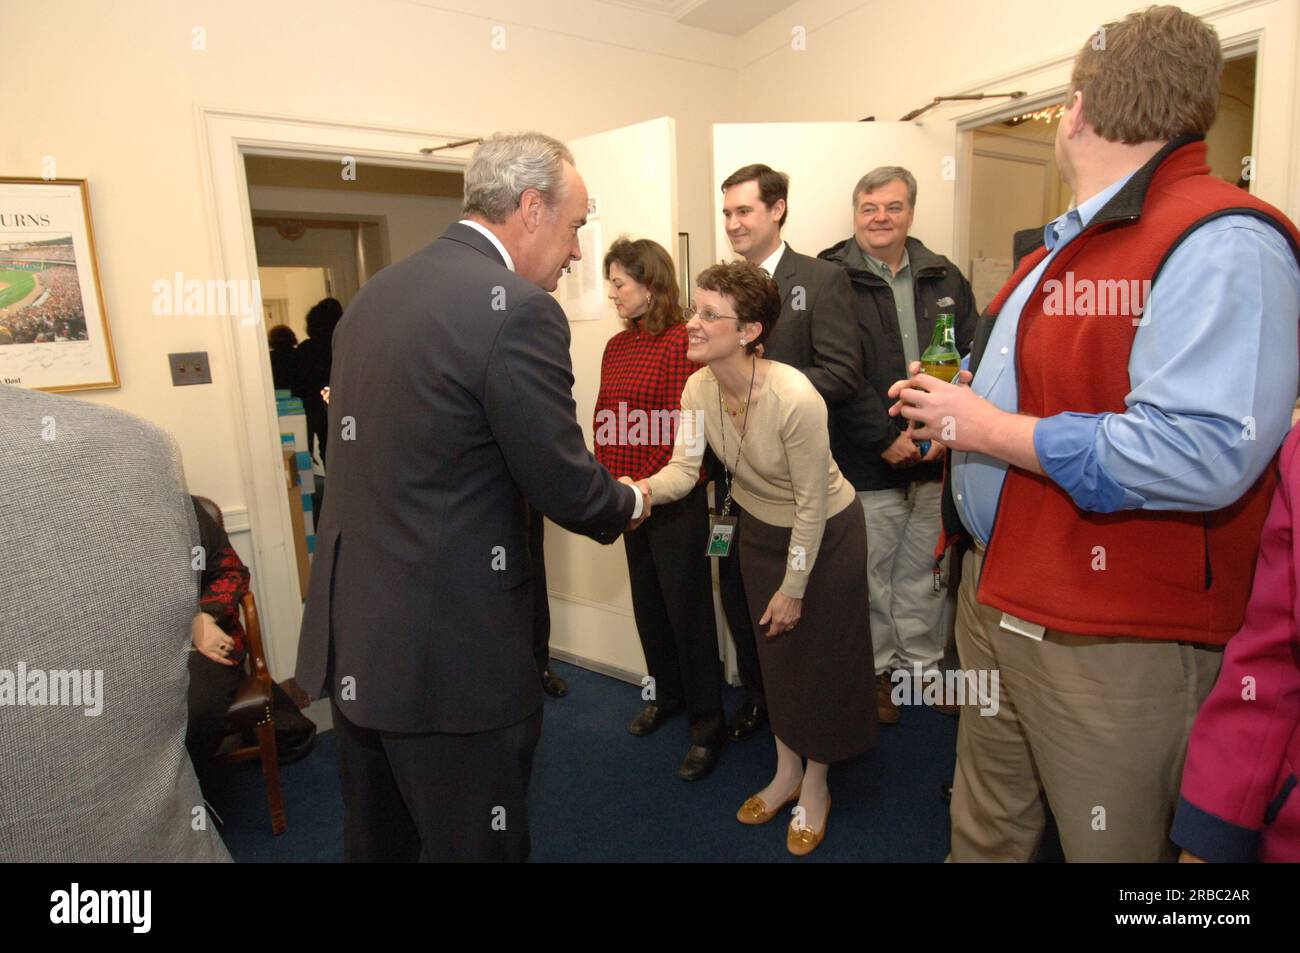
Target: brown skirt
x,y
819,678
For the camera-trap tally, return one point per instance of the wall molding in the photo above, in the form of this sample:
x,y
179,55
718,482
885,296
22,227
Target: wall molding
x,y
225,136
236,519
600,668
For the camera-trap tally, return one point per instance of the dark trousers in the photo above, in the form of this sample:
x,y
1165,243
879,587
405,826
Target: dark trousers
x,y
736,608
672,599
435,797
541,603
212,688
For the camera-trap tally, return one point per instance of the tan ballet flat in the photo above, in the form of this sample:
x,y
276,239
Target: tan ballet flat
x,y
802,841
754,811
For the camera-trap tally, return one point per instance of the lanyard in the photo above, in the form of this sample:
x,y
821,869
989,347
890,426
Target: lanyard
x,y
722,426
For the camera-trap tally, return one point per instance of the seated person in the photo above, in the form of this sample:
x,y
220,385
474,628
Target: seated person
x,y
218,638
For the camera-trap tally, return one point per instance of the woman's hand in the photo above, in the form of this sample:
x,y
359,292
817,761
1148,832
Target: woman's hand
x,y
209,639
1188,858
782,614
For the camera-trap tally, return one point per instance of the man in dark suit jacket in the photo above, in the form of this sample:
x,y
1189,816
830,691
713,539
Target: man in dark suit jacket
x,y
451,412
817,333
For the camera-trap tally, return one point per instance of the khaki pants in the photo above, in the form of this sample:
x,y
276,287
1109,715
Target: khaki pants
x,y
1097,724
902,530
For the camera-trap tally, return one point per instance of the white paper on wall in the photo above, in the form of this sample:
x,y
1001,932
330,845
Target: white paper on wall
x,y
582,289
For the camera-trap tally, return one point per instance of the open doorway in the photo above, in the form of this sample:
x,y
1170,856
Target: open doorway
x,y
1016,185
321,229
288,293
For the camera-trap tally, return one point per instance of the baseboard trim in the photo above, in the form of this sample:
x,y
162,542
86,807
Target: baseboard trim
x,y
600,668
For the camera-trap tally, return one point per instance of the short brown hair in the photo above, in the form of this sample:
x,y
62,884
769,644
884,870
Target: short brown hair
x,y
1152,76
648,264
773,186
882,176
755,293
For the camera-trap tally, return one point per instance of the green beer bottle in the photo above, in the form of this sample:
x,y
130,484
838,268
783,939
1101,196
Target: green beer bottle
x,y
941,359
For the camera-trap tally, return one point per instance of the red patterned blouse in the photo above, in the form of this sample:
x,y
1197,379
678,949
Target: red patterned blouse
x,y
639,403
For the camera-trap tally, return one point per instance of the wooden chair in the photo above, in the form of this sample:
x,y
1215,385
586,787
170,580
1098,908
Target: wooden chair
x,y
251,710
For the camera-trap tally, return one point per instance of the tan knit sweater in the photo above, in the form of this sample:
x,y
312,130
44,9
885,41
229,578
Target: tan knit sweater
x,y
785,475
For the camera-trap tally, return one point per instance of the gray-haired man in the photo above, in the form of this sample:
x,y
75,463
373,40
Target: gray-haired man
x,y
898,284
452,412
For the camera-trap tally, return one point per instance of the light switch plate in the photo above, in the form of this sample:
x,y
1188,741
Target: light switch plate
x,y
190,368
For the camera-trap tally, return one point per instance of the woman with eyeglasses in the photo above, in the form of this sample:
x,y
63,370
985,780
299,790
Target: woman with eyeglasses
x,y
641,377
803,540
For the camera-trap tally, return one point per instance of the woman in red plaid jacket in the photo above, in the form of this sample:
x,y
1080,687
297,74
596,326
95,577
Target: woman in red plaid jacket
x,y
637,414
218,636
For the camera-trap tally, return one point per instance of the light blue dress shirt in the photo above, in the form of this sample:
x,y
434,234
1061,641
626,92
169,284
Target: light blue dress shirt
x,y
1214,369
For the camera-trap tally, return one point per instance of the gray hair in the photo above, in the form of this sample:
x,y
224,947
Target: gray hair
x,y
883,176
508,164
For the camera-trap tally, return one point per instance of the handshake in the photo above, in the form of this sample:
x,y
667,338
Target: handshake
x,y
645,500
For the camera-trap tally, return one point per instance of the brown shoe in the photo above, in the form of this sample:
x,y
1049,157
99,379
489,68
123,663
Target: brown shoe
x,y
754,811
802,841
886,711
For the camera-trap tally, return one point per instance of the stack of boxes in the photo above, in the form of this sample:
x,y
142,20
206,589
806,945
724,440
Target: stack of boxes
x,y
300,482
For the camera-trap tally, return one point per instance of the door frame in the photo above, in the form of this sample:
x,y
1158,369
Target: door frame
x,y
1263,27
225,136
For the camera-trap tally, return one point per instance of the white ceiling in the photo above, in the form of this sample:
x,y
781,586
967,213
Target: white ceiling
x,y
721,16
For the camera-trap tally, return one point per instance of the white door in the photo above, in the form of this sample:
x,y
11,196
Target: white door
x,y
825,160
631,177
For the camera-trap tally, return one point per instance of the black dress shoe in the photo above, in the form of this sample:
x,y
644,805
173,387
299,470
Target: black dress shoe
x,y
699,761
650,717
747,720
553,685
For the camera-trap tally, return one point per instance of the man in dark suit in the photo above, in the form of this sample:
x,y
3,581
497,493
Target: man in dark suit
x,y
451,413
817,333
552,684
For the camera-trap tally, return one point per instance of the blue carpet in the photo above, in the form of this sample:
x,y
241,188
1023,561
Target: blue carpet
x,y
599,794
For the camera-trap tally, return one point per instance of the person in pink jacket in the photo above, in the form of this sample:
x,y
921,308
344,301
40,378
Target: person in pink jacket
x,y
1239,801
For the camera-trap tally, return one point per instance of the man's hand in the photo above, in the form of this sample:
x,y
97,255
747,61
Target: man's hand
x,y
782,614
645,501
903,452
325,394
209,639
936,452
951,413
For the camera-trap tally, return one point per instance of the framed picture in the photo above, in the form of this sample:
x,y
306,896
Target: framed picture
x,y
53,329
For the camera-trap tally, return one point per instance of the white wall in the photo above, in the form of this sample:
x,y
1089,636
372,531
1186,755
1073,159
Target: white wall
x,y
127,124
884,59
127,121
410,221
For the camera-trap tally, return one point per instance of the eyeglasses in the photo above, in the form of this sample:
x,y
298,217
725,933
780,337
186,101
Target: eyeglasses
x,y
708,316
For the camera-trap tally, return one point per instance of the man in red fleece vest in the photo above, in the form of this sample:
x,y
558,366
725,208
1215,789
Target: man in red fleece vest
x,y
1114,446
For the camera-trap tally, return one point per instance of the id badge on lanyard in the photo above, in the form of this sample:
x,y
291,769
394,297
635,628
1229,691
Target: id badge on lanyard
x,y
722,530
